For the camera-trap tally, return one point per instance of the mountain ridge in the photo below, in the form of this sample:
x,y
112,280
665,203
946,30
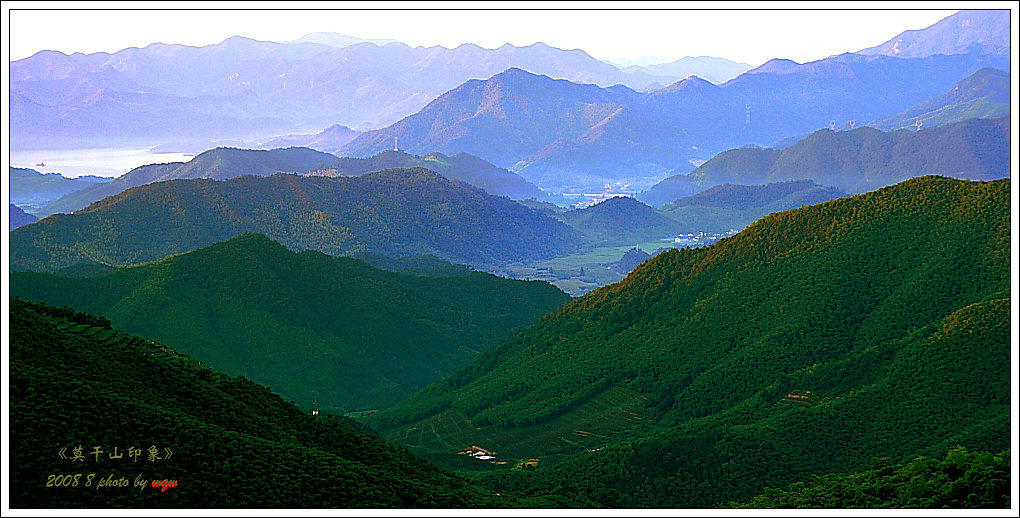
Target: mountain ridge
x,y
460,167
538,127
985,31
394,212
306,85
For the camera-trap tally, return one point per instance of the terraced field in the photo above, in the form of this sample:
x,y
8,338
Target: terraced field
x,y
802,398
591,425
109,337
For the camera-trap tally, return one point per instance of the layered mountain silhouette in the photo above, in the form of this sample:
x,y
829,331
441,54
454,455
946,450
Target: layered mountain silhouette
x,y
217,164
225,163
563,139
716,70
855,329
324,331
398,212
514,115
460,167
859,160
327,140
30,188
787,98
567,137
809,343
338,40
243,88
732,207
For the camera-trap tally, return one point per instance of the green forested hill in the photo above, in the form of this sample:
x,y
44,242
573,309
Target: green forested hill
x,y
393,212
324,331
620,220
816,339
226,442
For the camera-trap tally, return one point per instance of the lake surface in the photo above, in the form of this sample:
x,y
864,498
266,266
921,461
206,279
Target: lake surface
x,y
73,163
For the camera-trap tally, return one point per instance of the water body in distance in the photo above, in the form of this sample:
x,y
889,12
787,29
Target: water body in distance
x,y
110,162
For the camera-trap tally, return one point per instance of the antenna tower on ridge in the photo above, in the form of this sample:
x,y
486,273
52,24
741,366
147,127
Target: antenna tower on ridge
x,y
395,144
748,121
832,125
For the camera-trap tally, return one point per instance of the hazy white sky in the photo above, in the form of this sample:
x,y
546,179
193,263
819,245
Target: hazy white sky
x,y
739,31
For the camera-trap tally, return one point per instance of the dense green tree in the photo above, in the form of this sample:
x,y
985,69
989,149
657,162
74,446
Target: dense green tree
x,y
870,326
963,479
226,442
329,332
397,212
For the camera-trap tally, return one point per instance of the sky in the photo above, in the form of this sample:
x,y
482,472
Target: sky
x,y
739,31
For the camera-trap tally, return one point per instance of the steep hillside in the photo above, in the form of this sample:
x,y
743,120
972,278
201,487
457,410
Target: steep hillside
x,y
984,95
137,410
324,331
516,119
394,212
218,164
876,325
981,30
